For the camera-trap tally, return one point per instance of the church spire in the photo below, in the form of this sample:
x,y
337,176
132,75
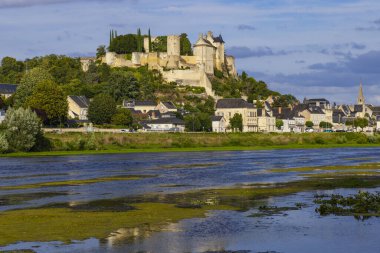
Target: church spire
x,y
361,100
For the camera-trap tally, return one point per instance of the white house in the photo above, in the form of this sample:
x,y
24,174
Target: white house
x,y
218,124
164,125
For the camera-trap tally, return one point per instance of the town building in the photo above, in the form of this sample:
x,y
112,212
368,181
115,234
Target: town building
x,y
7,90
378,123
78,107
228,107
140,106
164,125
218,124
265,122
293,121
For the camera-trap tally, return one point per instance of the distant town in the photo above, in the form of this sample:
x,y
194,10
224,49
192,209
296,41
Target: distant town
x,y
199,73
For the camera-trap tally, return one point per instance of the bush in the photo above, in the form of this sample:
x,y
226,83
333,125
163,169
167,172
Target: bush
x,y
3,143
23,128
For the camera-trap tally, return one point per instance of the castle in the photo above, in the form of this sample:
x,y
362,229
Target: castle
x,y
192,70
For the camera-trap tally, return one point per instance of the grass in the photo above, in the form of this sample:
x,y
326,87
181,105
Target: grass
x,y
197,149
108,143
71,182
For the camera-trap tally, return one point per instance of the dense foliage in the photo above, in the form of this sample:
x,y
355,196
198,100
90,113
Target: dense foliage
x,y
124,44
101,109
49,99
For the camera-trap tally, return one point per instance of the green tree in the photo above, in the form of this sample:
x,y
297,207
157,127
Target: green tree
x,y
123,85
123,117
124,44
325,125
160,44
309,124
101,51
139,41
361,122
29,82
279,123
236,122
284,100
185,45
49,98
198,122
22,129
101,109
11,70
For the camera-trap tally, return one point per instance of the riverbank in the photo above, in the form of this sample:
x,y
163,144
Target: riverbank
x,y
116,143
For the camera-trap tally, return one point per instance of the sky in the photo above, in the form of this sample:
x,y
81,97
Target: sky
x,y
313,48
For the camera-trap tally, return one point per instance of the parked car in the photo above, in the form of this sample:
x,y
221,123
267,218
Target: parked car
x,y
309,130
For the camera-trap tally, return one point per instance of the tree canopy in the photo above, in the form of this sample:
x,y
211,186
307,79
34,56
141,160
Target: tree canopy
x,y
49,98
124,44
101,109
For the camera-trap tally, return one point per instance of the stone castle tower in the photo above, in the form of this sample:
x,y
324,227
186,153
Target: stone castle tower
x,y
361,99
174,42
173,51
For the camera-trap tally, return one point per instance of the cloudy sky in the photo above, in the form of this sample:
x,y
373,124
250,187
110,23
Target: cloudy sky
x,y
313,48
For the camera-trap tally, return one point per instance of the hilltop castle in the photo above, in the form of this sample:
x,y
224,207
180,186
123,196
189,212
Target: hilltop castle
x,y
193,70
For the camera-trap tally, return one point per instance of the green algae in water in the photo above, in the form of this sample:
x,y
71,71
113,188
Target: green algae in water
x,y
75,182
15,199
361,205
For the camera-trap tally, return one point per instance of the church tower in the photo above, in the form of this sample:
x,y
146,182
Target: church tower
x,y
361,99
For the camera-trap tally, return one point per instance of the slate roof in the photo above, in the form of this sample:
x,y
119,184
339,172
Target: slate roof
x,y
216,118
316,110
378,118
286,113
233,103
358,108
145,103
317,99
169,105
338,116
160,121
81,101
8,88
219,39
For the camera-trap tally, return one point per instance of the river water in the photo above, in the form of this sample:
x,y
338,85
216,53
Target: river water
x,y
221,231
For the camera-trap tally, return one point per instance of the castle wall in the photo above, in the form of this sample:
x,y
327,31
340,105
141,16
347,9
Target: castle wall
x,y
117,60
189,59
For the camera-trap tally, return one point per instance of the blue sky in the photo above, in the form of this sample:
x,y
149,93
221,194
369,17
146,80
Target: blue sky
x,y
306,48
